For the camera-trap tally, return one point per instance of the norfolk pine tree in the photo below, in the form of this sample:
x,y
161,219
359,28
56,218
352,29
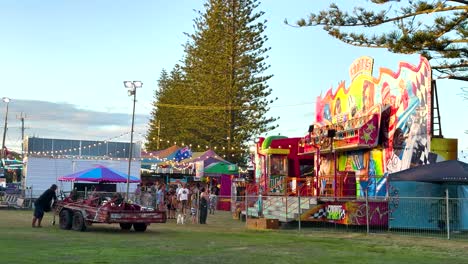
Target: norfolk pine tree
x,y
165,121
437,30
225,89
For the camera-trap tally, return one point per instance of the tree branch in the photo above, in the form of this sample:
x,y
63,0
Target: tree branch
x,y
451,66
428,11
460,1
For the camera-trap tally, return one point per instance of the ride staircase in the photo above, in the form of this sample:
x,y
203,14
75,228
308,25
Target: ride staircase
x,y
283,208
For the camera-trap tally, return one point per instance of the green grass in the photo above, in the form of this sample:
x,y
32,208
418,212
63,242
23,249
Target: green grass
x,y
222,240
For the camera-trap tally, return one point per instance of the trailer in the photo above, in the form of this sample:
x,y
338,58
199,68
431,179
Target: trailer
x,y
81,213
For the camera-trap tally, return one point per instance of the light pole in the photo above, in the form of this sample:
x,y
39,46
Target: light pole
x,y
331,133
131,86
7,101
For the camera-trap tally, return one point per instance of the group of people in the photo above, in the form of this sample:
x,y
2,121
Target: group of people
x,y
183,199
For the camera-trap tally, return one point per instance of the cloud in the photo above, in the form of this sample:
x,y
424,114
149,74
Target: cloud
x,y
68,121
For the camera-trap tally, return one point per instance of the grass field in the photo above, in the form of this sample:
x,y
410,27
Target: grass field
x,y
222,240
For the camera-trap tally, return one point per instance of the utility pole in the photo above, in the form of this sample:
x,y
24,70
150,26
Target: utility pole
x,y
21,118
7,101
159,130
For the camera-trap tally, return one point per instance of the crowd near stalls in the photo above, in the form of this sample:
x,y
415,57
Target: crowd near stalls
x,y
175,166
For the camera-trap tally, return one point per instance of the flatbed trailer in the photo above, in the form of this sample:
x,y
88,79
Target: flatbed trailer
x,y
78,215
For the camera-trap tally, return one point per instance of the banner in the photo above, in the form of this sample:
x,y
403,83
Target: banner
x,y
199,167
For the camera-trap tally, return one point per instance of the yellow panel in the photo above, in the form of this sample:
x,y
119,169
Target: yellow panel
x,y
445,147
274,151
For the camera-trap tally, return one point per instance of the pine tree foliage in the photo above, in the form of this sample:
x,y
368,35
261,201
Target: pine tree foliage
x,y
221,97
436,29
153,134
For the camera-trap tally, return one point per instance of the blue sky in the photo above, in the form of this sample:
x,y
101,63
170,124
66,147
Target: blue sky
x,y
63,63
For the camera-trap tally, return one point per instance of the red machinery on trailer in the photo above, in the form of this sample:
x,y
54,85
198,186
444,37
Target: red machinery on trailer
x,y
79,214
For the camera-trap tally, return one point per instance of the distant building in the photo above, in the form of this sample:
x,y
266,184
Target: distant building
x,y
47,159
79,148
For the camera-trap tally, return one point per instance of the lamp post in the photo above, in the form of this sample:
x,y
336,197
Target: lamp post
x,y
7,101
331,134
316,159
131,86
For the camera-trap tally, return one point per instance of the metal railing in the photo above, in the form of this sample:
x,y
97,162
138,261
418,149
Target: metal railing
x,y
442,217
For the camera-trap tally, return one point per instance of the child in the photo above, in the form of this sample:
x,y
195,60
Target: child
x,y
193,208
212,198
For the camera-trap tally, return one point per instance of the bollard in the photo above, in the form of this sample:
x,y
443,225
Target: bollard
x,y
447,209
299,210
367,210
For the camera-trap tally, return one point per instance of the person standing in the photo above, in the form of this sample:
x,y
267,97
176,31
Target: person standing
x,y
204,200
213,202
182,197
193,208
160,197
43,204
138,194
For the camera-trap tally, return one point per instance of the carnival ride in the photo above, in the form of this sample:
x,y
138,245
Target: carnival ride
x,y
338,172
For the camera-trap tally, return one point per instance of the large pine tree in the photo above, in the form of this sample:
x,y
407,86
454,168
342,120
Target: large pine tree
x,y
169,117
222,100
436,29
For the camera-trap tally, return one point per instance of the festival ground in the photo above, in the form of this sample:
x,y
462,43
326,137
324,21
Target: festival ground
x,y
221,240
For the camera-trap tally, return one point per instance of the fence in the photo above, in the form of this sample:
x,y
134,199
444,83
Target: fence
x,y
441,217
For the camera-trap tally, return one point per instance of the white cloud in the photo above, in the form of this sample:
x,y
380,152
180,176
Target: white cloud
x,y
68,121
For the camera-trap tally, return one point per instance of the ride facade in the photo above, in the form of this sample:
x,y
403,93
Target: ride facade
x,y
361,134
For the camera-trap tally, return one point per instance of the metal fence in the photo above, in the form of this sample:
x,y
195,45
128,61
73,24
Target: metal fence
x,y
441,217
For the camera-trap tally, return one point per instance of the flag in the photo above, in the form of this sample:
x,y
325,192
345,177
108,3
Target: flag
x,y
183,153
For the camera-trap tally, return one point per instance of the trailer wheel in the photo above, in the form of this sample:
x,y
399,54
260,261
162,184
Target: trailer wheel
x,y
125,226
78,222
65,219
139,227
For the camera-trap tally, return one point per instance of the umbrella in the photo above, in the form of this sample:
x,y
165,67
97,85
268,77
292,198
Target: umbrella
x,y
99,174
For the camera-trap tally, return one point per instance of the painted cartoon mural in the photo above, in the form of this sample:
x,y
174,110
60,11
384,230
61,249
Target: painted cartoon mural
x,y
349,213
382,125
363,132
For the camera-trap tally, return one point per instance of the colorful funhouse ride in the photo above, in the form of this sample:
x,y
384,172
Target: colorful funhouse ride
x,y
362,133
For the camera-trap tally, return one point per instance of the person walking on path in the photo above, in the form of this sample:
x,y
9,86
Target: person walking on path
x,y
43,204
204,200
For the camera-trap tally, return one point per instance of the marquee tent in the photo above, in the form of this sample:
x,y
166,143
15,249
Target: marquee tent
x,y
433,180
449,171
99,174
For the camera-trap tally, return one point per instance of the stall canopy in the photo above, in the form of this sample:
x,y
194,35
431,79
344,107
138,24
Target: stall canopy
x,y
221,168
149,158
152,159
450,171
99,174
208,157
183,160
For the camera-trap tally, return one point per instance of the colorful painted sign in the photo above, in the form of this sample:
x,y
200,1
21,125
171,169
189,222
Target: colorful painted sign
x,y
277,185
199,168
382,124
349,213
362,65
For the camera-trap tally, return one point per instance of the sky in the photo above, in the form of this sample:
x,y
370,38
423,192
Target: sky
x,y
63,64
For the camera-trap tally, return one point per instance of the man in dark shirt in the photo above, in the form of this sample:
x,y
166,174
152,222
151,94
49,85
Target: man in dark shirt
x,y
42,204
